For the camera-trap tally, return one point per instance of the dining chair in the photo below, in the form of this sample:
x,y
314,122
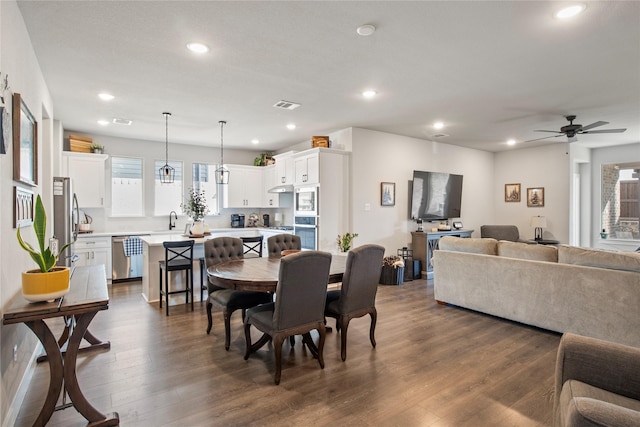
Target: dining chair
x,y
178,256
216,251
298,307
357,296
281,242
252,245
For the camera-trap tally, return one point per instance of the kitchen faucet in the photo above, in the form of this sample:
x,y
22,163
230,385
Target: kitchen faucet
x,y
172,225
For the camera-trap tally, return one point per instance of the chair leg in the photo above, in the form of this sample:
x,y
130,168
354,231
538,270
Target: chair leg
x,y
372,329
191,289
344,325
292,340
247,339
166,286
227,328
201,279
323,334
277,347
160,276
209,316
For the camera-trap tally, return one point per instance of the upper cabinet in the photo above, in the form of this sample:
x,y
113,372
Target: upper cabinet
x,y
271,179
87,173
283,169
245,188
307,169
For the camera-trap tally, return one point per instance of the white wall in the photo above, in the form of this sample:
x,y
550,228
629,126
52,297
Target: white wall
x,y
547,166
382,157
19,62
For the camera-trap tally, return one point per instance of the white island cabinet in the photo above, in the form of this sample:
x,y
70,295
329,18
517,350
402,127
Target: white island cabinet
x,y
94,250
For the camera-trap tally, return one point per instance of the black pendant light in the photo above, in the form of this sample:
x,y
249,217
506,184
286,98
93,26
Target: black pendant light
x,y
222,173
166,173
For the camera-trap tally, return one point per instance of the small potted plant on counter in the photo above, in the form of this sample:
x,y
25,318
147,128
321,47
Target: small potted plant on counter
x,y
195,207
344,241
48,281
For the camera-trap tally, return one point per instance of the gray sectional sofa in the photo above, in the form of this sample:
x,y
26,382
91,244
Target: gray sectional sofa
x,y
565,289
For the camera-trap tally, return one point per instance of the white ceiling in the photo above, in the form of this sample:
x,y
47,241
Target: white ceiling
x,y
490,70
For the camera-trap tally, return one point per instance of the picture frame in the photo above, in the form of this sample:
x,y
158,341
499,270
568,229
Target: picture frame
x,y
512,193
535,197
387,193
23,203
25,143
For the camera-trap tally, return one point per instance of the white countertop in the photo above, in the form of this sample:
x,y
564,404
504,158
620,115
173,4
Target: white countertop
x,y
158,239
214,231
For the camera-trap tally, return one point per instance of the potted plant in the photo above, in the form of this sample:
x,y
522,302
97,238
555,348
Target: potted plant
x,y
344,241
604,234
195,207
392,272
48,281
97,148
264,159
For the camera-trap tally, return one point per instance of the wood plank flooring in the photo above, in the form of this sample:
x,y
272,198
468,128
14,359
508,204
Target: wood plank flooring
x,y
433,366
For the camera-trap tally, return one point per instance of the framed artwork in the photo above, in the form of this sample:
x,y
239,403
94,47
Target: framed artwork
x,y
512,193
535,197
25,143
22,207
387,193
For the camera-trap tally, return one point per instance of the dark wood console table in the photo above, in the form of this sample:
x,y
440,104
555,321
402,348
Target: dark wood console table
x,y
424,243
88,296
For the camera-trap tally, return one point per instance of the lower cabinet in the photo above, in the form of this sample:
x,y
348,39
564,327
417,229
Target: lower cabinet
x,y
94,251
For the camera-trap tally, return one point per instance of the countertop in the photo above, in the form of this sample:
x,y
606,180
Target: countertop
x,y
179,233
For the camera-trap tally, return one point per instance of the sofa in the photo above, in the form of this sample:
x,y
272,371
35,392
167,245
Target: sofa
x,y
500,232
588,292
597,383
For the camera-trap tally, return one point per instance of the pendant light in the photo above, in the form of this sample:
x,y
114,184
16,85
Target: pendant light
x,y
222,173
166,173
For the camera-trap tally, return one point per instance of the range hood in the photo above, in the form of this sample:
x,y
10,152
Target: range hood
x,y
282,189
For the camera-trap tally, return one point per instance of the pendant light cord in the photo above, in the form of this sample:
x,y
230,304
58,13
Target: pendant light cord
x,y
222,123
166,136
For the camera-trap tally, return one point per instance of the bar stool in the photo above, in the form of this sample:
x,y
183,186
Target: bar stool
x,y
178,256
252,245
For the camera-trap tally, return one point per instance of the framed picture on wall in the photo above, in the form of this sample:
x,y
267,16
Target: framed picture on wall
x,y
387,193
22,207
512,193
25,143
535,197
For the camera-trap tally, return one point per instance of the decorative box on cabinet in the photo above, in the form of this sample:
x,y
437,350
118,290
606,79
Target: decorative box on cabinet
x,y
424,244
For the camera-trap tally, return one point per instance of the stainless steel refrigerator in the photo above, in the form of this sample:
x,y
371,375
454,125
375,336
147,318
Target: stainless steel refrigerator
x,y
65,218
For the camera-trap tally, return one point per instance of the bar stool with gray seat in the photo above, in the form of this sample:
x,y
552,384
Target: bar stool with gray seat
x,y
178,256
282,242
252,245
216,251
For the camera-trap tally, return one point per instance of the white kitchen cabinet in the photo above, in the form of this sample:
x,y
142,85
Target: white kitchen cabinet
x,y
94,251
307,169
245,188
87,173
270,200
284,174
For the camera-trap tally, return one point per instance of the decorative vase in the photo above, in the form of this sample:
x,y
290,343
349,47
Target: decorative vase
x,y
603,235
38,286
197,229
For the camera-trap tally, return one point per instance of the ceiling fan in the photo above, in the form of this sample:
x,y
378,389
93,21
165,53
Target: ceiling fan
x,y
572,130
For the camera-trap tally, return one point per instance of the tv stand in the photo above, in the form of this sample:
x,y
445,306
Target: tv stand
x,y
424,243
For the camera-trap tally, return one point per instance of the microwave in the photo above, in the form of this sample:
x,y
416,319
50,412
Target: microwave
x,y
306,201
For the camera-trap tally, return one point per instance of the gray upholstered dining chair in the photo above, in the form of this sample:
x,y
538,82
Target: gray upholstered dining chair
x,y
500,232
281,242
216,251
357,295
299,305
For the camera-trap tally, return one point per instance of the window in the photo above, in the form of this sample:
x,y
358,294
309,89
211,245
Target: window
x,y
204,180
127,195
168,197
621,200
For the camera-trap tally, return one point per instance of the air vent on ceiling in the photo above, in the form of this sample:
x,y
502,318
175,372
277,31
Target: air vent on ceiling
x,y
286,105
439,135
125,122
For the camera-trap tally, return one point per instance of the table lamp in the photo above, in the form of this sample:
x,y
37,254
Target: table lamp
x,y
538,223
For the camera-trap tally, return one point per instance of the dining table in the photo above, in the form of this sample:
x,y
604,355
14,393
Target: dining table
x,y
261,275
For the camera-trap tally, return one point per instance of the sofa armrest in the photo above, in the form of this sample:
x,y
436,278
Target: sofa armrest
x,y
606,365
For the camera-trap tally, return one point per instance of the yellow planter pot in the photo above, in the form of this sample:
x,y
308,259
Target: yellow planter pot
x,y
38,286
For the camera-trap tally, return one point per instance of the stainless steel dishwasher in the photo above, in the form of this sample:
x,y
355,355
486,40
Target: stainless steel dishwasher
x,y
126,257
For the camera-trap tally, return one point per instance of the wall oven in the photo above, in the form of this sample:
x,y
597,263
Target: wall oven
x,y
306,227
306,201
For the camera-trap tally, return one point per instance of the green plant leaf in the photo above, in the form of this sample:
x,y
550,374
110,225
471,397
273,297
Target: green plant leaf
x,y
40,223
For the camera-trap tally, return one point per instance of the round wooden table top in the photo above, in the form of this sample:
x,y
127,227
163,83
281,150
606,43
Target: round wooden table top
x,y
261,274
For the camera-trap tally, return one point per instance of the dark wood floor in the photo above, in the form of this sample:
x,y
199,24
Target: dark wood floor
x,y
433,366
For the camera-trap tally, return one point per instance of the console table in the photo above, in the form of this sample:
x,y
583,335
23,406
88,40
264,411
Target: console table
x,y
87,296
424,243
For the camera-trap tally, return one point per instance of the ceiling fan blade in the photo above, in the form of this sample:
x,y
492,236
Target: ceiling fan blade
x,y
553,131
594,125
606,131
545,137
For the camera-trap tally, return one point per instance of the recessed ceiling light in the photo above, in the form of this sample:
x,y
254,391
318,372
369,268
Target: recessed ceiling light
x,y
571,11
198,47
369,93
105,96
119,121
366,30
255,141
438,125
291,126
511,142
103,122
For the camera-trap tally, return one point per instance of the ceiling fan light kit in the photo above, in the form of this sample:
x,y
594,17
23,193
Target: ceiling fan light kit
x,y
572,130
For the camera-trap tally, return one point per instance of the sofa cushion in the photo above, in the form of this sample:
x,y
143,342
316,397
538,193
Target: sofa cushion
x,y
470,245
526,251
585,405
500,232
626,261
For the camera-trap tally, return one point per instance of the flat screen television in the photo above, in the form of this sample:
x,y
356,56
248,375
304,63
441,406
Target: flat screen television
x,y
436,196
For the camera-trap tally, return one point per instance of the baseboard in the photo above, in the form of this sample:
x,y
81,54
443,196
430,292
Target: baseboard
x,y
18,399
